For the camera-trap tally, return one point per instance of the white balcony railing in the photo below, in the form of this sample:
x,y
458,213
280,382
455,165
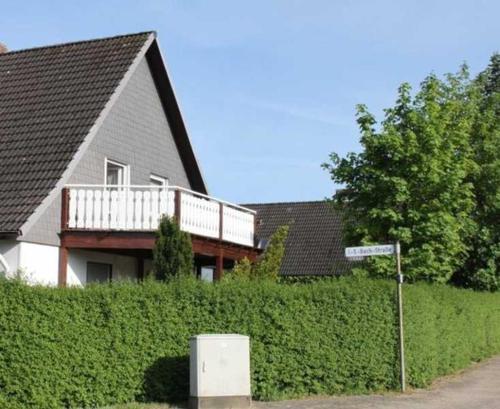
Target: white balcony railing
x,y
139,208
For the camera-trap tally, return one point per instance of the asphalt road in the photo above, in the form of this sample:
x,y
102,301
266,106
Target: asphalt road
x,y
478,387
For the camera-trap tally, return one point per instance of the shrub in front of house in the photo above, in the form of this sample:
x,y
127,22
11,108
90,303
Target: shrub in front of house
x,y
108,344
172,252
268,266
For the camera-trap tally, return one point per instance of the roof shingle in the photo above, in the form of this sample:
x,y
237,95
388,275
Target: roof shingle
x,y
314,243
49,99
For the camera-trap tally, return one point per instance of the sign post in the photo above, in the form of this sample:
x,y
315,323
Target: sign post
x,y
386,250
400,313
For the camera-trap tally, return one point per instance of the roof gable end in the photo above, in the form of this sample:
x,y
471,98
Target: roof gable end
x,y
53,99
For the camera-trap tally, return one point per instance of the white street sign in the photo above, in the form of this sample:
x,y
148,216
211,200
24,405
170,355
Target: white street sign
x,y
357,253
379,250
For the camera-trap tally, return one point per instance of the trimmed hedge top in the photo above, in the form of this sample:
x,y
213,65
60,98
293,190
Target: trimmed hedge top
x,y
110,344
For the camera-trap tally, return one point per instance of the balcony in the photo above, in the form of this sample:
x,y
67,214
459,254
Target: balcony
x,y
139,209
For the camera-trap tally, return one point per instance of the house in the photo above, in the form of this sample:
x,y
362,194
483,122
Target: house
x,y
314,243
93,150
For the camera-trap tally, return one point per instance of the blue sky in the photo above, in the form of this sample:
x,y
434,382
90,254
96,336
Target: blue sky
x,y
268,88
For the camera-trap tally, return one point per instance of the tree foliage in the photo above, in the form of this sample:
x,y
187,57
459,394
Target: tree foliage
x,y
268,266
413,181
242,270
482,268
172,253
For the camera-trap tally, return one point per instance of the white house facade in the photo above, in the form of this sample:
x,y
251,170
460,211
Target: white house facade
x,y
94,152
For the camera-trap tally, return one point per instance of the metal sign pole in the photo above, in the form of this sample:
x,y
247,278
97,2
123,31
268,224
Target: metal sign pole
x,y
400,311
385,250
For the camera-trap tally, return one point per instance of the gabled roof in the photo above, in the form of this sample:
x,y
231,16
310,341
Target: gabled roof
x,y
51,97
314,243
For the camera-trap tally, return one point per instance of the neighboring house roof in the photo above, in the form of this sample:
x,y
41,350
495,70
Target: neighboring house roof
x,y
51,97
314,243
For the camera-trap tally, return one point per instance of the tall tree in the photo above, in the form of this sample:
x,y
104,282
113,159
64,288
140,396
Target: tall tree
x,y
409,182
482,268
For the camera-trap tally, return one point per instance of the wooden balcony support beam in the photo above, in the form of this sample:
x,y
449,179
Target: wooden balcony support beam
x,y
105,239
177,206
62,276
129,241
64,208
140,267
219,265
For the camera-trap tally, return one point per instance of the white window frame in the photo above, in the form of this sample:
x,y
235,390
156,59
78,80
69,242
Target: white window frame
x,y
161,179
125,167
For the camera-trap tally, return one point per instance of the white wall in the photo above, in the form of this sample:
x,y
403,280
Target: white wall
x,y
39,263
9,250
123,267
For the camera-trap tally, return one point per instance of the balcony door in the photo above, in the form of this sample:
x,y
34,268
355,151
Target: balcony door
x,y
116,173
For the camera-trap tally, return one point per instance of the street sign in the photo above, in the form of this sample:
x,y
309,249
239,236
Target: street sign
x,y
378,250
357,253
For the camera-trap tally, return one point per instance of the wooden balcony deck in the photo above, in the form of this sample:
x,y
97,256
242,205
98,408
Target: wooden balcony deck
x,y
123,219
139,208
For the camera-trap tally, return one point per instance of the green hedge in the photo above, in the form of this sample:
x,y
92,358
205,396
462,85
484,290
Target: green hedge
x,y
111,344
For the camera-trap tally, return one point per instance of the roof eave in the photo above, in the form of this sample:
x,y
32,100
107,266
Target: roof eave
x,y
174,115
10,234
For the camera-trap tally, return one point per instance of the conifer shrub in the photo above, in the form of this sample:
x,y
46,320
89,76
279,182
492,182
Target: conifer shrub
x,y
268,266
173,252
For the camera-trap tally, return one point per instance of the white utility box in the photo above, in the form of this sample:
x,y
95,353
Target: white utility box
x,y
220,371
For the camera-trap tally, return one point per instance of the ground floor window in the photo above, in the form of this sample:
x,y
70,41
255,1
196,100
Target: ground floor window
x,y
98,272
207,274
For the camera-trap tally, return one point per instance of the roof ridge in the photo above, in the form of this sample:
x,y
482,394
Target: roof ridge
x,y
69,43
284,203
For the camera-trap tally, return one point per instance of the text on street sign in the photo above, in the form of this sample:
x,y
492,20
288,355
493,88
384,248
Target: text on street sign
x,y
378,250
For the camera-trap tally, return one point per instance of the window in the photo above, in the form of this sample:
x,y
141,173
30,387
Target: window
x,y
98,272
207,274
158,180
116,173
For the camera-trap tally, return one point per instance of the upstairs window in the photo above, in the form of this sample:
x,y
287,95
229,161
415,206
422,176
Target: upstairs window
x,y
116,173
155,180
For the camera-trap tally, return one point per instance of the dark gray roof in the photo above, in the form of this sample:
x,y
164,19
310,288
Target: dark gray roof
x,y
314,244
49,99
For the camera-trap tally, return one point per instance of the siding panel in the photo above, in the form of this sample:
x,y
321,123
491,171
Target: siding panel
x,y
136,132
